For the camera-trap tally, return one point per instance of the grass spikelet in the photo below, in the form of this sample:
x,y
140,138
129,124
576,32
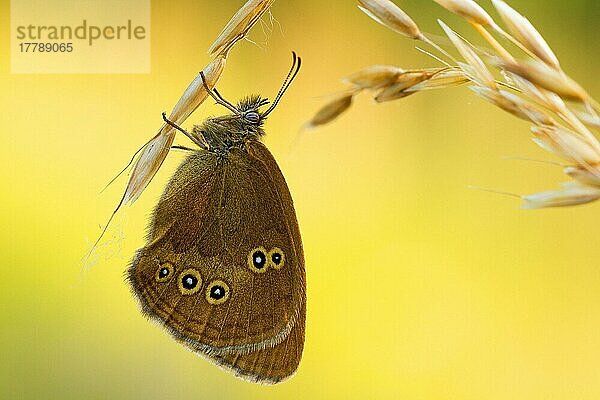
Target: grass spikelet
x,y
514,105
446,78
534,113
196,93
148,163
546,78
399,88
238,26
390,15
526,34
566,144
590,120
544,97
482,74
571,194
587,176
469,10
374,76
330,111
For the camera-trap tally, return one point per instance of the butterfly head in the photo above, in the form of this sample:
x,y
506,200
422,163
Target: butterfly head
x,y
246,118
249,110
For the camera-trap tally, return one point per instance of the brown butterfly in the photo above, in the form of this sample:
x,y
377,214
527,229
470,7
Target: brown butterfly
x,y
223,266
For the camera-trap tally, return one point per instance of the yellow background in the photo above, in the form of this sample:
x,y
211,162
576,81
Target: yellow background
x,y
419,288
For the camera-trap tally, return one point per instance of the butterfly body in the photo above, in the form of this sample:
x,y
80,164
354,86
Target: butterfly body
x,y
223,266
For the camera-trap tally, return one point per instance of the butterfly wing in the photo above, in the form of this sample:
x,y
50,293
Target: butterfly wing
x,y
272,364
223,267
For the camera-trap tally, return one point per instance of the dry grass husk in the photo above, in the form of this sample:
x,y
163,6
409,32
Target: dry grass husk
x,y
533,87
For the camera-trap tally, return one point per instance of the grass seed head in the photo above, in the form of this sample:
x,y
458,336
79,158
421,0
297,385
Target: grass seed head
x,y
239,25
469,10
196,93
566,144
445,79
592,120
572,193
514,104
549,99
482,74
390,15
399,88
526,33
374,76
148,163
547,78
532,112
588,176
333,109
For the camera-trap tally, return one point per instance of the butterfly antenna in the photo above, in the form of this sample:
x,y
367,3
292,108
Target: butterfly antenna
x,y
296,64
217,96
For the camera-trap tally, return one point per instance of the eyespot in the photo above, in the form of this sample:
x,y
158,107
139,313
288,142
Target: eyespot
x,y
190,281
217,292
257,260
252,116
164,272
276,258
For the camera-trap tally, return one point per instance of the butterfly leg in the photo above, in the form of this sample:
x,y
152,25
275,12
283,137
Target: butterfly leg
x,y
177,147
199,140
217,96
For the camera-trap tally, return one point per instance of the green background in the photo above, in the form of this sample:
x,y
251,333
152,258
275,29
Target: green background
x,y
419,288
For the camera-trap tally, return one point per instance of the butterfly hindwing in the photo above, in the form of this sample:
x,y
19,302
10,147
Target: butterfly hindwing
x,y
223,267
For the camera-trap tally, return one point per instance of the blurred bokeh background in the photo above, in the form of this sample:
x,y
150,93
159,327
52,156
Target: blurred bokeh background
x,y
419,287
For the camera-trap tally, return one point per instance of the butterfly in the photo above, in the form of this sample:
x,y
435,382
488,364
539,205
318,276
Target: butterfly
x,y
222,268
